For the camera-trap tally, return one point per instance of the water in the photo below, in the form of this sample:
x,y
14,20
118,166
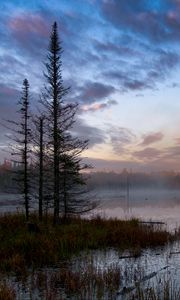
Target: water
x,y
147,204
11,203
151,269
154,266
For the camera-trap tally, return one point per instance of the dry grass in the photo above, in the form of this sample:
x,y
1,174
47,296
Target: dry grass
x,y
168,290
6,292
90,283
20,248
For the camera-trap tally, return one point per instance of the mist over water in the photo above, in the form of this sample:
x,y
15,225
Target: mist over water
x,y
146,204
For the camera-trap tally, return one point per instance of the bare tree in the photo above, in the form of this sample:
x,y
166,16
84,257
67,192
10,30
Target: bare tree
x,y
39,154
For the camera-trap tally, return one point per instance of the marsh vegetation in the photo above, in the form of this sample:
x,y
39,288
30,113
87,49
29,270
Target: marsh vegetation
x,y
78,258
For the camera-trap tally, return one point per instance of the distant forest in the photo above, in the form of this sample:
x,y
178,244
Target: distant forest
x,y
109,180
112,180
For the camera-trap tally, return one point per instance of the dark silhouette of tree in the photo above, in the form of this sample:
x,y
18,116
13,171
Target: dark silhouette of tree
x,y
21,147
41,158
25,131
54,93
74,192
59,116
39,153
64,150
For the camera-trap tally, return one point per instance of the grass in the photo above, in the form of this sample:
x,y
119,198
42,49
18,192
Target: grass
x,y
23,251
6,291
89,283
86,283
101,284
168,290
21,248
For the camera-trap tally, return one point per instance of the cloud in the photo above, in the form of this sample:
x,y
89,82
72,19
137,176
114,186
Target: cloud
x,y
85,131
25,24
152,138
111,47
139,95
147,166
120,137
154,20
115,165
173,152
144,73
136,84
127,80
177,140
98,106
148,154
95,91
30,32
8,99
156,159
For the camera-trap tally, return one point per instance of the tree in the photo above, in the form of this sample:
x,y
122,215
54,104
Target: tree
x,y
74,191
64,149
59,116
21,145
39,153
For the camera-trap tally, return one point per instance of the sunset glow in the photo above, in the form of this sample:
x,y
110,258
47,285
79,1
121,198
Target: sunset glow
x,y
122,61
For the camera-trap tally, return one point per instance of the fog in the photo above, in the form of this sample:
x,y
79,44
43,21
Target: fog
x,y
154,196
146,204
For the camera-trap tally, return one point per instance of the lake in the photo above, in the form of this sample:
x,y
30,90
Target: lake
x,y
153,267
147,204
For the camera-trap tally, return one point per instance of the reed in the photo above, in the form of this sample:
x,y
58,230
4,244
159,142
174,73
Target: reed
x,y
6,291
21,247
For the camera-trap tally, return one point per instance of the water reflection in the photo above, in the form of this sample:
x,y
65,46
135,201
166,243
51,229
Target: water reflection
x,y
156,205
147,204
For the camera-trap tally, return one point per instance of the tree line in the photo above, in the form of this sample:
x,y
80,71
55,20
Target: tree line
x,y
135,180
43,144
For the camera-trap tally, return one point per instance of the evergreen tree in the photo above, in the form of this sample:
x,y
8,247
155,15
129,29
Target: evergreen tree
x,y
21,145
59,116
63,149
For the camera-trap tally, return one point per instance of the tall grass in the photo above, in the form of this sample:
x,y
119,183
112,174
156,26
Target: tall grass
x,y
89,283
167,290
20,248
6,291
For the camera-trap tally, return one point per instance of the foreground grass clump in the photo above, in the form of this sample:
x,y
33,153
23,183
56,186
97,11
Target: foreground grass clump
x,y
167,290
6,291
21,248
89,282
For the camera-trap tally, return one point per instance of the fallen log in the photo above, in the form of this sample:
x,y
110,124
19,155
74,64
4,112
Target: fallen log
x,y
152,222
125,290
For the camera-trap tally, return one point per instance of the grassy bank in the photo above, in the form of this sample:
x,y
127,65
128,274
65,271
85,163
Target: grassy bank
x,y
21,248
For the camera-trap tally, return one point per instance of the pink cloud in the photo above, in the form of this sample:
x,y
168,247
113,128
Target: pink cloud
x,y
152,138
93,107
98,106
7,91
177,141
29,23
148,154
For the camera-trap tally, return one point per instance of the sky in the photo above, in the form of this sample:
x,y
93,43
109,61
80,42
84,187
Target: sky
x,y
122,61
